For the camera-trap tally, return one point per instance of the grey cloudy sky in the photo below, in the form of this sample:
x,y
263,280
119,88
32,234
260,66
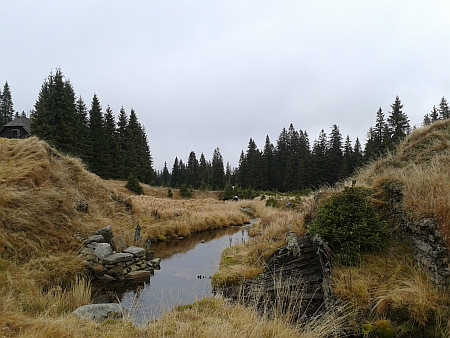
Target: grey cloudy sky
x,y
207,74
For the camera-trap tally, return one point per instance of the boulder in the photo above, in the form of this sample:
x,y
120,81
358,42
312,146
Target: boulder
x,y
118,257
140,274
95,239
116,270
156,262
107,233
118,243
100,312
136,251
103,250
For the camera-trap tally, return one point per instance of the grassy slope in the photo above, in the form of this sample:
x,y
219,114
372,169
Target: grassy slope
x,y
39,191
388,284
41,231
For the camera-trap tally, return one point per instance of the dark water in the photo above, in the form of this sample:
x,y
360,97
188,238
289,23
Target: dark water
x,y
184,277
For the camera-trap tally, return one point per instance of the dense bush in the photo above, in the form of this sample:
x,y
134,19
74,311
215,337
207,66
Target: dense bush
x,y
133,185
350,225
185,191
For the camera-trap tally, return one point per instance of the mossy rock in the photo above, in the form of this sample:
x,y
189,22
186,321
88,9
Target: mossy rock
x,y
384,329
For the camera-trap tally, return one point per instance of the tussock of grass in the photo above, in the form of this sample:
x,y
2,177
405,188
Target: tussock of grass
x,y
246,260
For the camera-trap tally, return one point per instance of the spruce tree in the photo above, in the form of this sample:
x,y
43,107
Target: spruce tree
x,y
6,105
434,115
83,129
217,180
165,176
55,118
97,139
444,110
347,166
334,154
192,171
176,172
122,142
268,165
111,169
319,161
398,123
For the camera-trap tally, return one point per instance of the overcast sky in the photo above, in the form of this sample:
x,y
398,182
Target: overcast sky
x,y
207,74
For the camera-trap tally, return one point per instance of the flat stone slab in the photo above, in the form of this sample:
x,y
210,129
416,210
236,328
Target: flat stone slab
x,y
118,257
100,312
103,250
95,239
136,251
140,274
118,243
107,233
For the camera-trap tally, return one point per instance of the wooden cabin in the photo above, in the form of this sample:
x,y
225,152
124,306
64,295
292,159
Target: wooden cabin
x,y
20,127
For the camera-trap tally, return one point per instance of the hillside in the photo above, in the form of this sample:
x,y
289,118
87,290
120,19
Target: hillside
x,y
43,219
49,203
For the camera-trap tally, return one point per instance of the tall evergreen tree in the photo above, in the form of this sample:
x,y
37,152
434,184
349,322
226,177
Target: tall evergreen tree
x,y
97,159
379,131
55,118
176,173
334,154
358,156
434,115
253,157
347,166
83,129
122,141
398,122
111,146
192,169
319,160
203,171
444,110
217,179
6,105
268,165
165,176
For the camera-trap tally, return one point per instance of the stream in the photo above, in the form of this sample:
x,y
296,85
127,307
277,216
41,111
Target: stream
x,y
184,277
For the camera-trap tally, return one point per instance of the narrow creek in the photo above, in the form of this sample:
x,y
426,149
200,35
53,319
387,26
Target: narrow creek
x,y
184,277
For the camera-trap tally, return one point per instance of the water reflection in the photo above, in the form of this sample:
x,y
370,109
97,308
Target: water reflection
x,y
184,277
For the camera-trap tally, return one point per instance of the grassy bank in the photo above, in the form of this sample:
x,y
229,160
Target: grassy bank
x,y
386,287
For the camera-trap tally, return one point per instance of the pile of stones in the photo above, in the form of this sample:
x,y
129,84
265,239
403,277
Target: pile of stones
x,y
109,258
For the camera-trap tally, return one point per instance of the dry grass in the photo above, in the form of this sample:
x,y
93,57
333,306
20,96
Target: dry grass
x,y
391,286
246,260
421,166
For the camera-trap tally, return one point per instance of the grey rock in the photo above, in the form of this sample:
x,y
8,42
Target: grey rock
x,y
107,233
136,251
97,269
118,243
155,262
116,271
103,249
95,239
140,274
100,312
106,278
118,257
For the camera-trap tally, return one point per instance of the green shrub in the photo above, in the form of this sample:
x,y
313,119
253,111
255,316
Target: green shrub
x,y
185,191
272,202
350,225
133,185
169,193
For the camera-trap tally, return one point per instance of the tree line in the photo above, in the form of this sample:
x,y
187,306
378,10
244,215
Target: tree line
x,y
293,163
114,150
111,150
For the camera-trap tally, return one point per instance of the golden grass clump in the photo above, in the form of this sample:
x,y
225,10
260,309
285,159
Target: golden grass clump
x,y
420,166
246,260
390,285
